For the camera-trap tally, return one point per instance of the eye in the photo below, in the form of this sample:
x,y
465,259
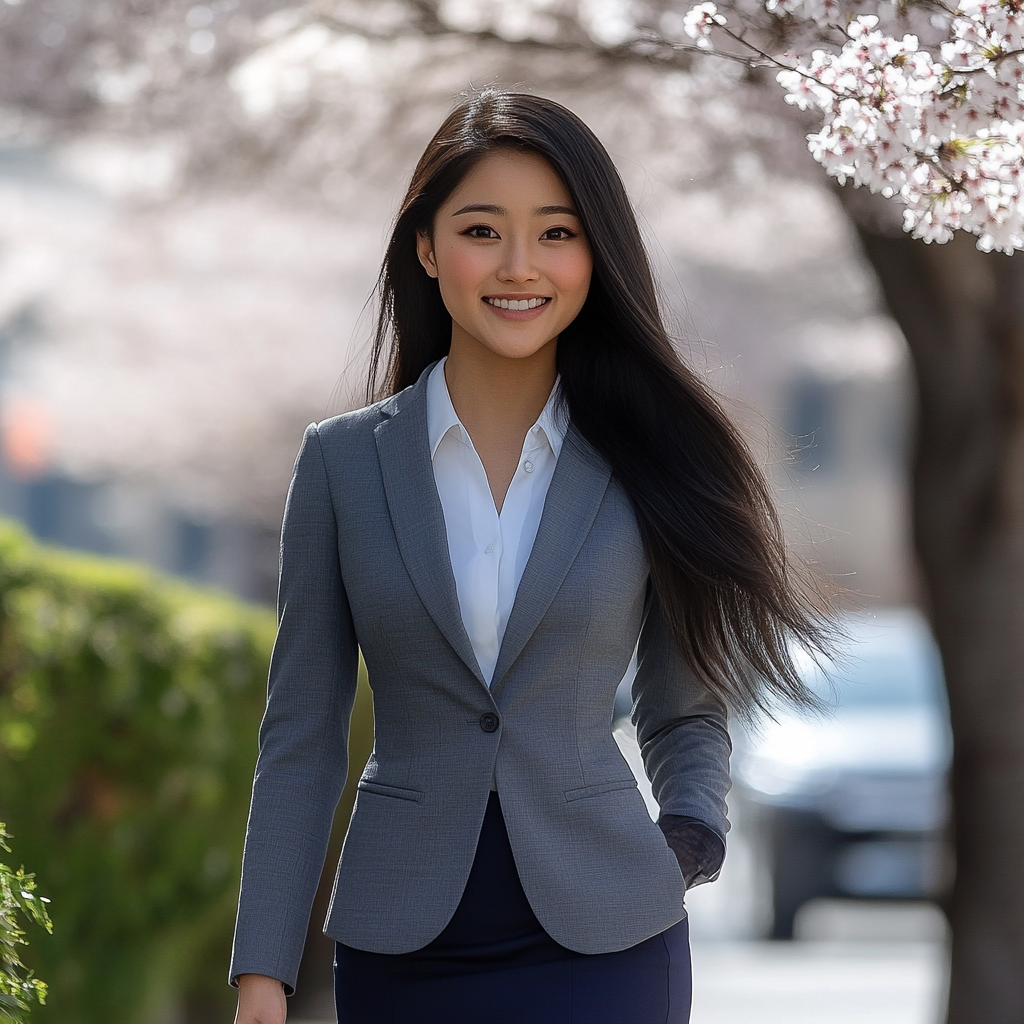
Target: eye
x,y
558,234
480,231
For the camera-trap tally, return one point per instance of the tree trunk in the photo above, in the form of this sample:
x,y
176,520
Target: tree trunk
x,y
962,312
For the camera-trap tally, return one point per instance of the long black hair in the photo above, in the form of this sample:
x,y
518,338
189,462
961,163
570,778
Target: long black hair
x,y
731,597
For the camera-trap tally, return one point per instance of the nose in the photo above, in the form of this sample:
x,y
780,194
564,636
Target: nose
x,y
517,265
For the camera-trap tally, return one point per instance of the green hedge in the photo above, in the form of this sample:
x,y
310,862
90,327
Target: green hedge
x,y
129,708
19,903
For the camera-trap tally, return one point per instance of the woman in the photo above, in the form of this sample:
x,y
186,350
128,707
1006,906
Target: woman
x,y
544,489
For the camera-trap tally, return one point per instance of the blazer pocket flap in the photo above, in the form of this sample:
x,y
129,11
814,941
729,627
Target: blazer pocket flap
x,y
369,786
601,787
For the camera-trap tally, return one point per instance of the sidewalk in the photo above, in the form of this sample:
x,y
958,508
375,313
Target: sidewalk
x,y
817,982
814,983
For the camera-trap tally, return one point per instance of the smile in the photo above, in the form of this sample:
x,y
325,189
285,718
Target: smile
x,y
518,303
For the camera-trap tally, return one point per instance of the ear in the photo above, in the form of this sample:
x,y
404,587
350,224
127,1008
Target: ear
x,y
425,251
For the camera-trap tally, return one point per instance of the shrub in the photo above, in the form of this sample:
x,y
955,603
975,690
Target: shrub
x,y
129,709
128,714
18,989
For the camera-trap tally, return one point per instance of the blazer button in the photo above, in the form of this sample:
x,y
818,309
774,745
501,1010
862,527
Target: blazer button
x,y
489,721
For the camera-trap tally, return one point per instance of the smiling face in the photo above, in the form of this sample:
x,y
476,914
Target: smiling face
x,y
510,256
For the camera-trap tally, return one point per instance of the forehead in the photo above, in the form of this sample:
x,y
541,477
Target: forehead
x,y
513,179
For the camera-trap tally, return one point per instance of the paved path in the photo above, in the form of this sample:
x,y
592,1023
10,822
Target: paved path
x,y
817,983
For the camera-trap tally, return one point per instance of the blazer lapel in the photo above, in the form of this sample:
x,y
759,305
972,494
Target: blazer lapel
x,y
418,518
580,479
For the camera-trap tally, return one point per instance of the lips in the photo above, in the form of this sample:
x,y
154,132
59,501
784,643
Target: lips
x,y
533,302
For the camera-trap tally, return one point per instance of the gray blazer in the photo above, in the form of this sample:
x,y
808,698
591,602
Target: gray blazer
x,y
365,566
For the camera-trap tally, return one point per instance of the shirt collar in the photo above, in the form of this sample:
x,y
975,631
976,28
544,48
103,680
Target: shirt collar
x,y
553,421
551,425
441,415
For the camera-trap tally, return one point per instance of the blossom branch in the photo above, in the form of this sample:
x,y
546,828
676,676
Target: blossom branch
x,y
941,132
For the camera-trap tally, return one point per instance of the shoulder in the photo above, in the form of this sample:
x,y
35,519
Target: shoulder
x,y
349,442
357,427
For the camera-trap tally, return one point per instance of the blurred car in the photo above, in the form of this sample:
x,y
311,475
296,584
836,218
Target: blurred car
x,y
855,804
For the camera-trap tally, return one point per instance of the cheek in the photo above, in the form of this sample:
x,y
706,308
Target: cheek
x,y
572,275
462,270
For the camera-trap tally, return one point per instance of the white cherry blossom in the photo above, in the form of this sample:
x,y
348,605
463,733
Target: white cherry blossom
x,y
699,21
932,118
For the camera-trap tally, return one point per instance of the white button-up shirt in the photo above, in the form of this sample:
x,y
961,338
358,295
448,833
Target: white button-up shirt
x,y
489,551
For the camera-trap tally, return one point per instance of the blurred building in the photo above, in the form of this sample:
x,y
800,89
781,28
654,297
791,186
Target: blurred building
x,y
129,520
123,518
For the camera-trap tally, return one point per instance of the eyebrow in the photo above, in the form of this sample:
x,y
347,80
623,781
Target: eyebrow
x,y
500,211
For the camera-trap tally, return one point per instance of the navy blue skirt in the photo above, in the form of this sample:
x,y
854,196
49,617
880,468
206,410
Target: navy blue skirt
x,y
494,963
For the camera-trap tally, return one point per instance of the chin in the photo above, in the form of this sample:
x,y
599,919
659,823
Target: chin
x,y
517,351
517,344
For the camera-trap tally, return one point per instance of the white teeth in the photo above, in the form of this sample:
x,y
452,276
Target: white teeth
x,y
517,303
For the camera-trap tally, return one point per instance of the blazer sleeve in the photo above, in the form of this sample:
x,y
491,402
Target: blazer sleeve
x,y
682,729
303,742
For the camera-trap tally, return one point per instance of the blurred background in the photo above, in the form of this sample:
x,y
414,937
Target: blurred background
x,y
194,200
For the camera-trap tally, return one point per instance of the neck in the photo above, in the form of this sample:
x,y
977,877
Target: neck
x,y
498,398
